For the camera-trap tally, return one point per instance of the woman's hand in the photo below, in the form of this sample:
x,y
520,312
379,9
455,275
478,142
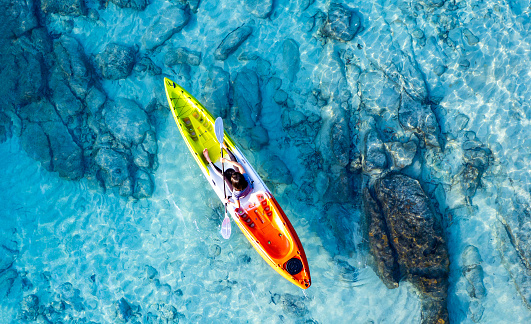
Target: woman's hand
x,y
227,161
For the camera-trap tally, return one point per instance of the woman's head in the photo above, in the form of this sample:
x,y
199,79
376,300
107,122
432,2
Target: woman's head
x,y
238,181
228,173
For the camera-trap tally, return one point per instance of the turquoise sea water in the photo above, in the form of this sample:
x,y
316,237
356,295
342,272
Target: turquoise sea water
x,y
91,256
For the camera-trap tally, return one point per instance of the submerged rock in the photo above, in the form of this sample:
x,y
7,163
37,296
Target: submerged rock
x,y
378,93
473,272
133,4
216,92
20,17
275,170
514,237
67,156
341,24
420,119
7,280
64,7
293,305
247,98
334,136
333,143
143,185
122,310
151,272
415,239
385,257
168,312
72,65
331,77
182,55
126,121
375,159
433,3
145,64
114,166
259,8
66,102
232,41
35,142
172,20
402,154
116,62
30,307
291,58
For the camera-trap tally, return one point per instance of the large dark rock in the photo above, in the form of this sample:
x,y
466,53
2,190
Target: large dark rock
x,y
385,256
415,239
116,62
64,7
172,20
341,24
232,41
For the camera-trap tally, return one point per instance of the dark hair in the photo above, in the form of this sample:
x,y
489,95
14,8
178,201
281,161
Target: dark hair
x,y
238,181
228,173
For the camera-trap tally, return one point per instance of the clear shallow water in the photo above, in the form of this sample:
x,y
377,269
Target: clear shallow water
x,y
71,233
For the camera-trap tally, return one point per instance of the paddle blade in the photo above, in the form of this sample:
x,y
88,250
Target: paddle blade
x,y
218,128
225,228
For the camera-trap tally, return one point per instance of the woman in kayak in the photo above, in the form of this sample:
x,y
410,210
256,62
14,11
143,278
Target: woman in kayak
x,y
237,181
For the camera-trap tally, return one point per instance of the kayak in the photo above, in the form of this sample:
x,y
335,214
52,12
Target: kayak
x,y
259,216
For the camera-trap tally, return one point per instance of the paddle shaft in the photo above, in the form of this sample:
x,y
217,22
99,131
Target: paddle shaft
x,y
220,134
223,177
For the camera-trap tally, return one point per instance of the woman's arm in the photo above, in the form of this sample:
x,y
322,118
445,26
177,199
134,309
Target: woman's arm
x,y
236,164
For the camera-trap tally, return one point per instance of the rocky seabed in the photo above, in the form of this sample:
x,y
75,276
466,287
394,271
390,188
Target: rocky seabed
x,y
409,119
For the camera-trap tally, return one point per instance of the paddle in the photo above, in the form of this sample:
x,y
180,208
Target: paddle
x,y
225,226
